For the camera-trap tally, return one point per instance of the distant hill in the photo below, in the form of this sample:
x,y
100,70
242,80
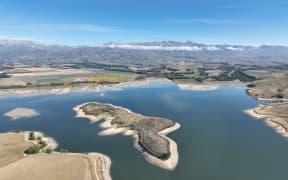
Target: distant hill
x,y
33,52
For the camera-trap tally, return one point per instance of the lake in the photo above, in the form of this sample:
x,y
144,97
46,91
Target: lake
x,y
217,141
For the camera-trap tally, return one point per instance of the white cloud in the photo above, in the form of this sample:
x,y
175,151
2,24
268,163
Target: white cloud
x,y
165,48
234,48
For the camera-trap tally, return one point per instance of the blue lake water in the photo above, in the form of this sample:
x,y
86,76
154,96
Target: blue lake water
x,y
217,141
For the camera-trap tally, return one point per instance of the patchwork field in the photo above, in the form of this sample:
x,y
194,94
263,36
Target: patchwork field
x,y
27,77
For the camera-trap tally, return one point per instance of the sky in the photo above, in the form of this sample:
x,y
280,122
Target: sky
x,y
91,22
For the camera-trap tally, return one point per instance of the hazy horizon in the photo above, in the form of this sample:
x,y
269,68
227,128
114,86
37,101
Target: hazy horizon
x,y
101,44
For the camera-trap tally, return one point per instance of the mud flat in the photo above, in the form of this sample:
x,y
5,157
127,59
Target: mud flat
x,y
149,133
275,116
15,165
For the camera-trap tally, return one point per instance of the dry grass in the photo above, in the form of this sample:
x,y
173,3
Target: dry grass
x,y
12,147
24,77
259,74
11,82
24,72
275,115
215,72
69,166
275,84
275,110
47,167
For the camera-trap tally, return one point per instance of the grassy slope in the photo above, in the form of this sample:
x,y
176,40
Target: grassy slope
x,y
12,146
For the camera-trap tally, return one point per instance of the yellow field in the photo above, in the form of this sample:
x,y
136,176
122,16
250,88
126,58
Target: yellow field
x,y
110,79
52,76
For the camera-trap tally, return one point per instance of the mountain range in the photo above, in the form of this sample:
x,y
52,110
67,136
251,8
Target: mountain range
x,y
27,51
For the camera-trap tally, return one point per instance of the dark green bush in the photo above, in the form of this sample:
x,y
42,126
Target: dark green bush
x,y
32,136
42,144
48,150
63,150
32,150
279,96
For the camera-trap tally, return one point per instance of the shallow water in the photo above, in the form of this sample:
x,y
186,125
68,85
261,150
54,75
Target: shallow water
x,y
216,141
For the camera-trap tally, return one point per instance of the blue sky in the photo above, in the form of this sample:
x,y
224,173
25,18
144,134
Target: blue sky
x,y
75,22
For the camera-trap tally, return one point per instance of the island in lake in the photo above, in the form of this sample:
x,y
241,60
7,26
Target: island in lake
x,y
149,132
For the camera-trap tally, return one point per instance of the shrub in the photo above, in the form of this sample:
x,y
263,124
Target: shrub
x,y
42,144
63,150
32,150
199,79
32,136
48,150
280,96
251,85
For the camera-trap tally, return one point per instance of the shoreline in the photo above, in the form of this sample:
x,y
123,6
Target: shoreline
x,y
208,85
106,164
197,87
109,129
268,120
263,98
85,87
172,161
52,144
96,87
